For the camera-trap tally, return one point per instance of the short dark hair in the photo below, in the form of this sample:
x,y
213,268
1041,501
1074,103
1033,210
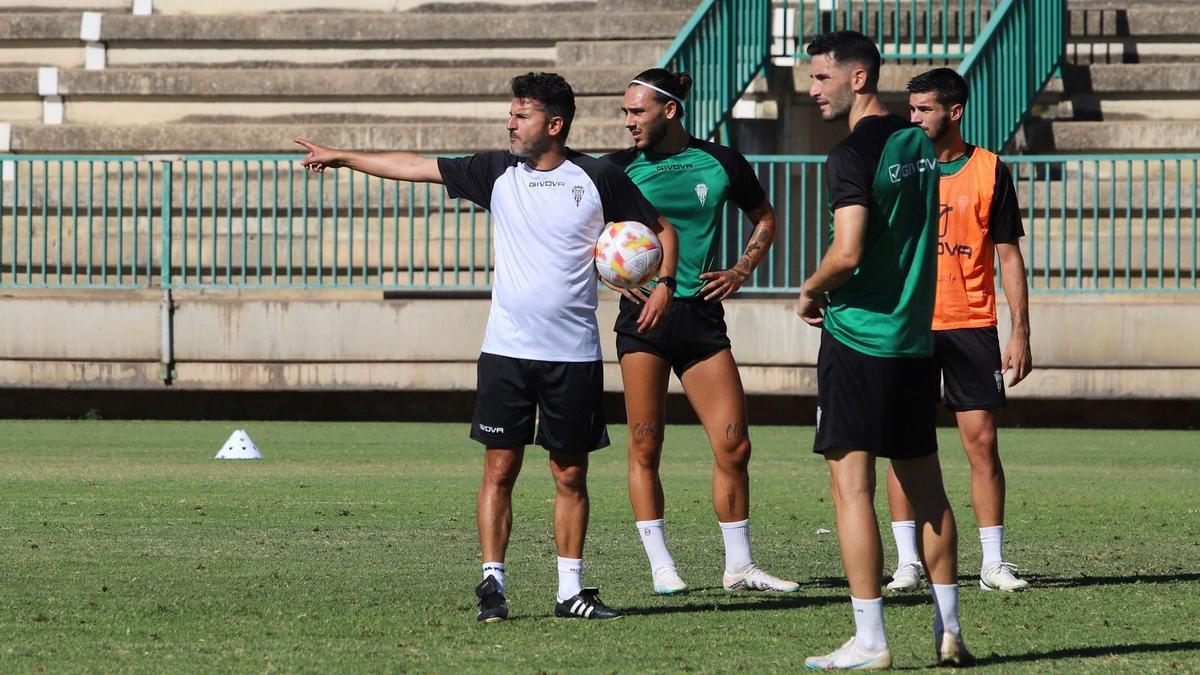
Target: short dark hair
x,y
946,83
848,46
675,84
550,90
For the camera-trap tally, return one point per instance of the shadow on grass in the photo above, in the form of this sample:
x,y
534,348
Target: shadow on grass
x,y
1082,581
1086,652
698,603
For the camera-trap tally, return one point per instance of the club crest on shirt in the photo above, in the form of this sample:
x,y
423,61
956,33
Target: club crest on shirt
x,y
577,192
702,192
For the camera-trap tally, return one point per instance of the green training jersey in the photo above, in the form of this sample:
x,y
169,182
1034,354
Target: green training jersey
x,y
690,189
886,309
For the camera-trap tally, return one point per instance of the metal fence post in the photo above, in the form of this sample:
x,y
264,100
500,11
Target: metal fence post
x,y
166,369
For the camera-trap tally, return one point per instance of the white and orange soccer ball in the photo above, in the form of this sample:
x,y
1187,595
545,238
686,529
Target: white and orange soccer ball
x,y
627,254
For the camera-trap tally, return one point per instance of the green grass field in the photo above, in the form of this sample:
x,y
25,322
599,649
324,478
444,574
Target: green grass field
x,y
352,548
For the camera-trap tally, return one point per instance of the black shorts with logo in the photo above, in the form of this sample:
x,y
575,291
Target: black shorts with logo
x,y
887,406
564,399
969,359
692,330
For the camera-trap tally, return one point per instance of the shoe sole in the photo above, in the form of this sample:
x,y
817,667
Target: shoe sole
x,y
493,619
589,618
671,591
904,589
983,586
751,589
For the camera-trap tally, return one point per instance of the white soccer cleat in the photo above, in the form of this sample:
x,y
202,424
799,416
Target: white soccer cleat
x,y
667,582
753,579
907,577
850,657
999,576
952,653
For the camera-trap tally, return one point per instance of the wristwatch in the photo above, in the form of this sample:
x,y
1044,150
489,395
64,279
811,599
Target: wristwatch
x,y
669,282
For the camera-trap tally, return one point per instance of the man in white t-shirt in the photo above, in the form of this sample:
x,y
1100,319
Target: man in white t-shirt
x,y
540,358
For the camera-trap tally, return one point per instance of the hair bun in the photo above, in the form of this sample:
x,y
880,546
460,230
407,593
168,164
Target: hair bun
x,y
685,83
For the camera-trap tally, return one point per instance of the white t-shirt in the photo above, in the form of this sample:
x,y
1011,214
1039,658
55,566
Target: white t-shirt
x,y
546,224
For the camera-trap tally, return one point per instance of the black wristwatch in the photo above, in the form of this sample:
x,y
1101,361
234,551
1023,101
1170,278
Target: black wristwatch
x,y
669,282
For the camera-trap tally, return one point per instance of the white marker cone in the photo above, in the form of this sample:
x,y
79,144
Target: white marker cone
x,y
239,446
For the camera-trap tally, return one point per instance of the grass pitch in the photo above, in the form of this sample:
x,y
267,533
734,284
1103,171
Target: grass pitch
x,y
352,548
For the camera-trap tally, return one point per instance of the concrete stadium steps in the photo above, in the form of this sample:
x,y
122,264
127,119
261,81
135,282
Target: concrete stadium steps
x,y
309,112
1168,135
1132,82
233,81
497,27
425,137
315,6
281,83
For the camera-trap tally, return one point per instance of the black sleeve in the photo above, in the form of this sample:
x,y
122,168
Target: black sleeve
x,y
849,178
622,158
1005,226
744,188
621,198
473,176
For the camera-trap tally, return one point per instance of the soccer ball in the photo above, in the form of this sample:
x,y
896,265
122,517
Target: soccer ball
x,y
627,254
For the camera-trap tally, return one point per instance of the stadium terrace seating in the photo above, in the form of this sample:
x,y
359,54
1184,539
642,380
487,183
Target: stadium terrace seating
x,y
432,78
1131,81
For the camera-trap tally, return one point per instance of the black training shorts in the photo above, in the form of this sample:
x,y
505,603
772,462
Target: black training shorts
x,y
566,397
887,406
969,359
692,330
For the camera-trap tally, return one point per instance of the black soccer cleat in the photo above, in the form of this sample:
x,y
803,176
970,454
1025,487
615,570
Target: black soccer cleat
x,y
586,605
492,605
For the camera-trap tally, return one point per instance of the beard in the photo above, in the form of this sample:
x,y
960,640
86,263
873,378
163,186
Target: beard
x,y
938,130
653,134
526,149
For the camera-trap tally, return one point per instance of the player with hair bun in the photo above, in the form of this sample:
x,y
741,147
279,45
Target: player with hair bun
x,y
689,180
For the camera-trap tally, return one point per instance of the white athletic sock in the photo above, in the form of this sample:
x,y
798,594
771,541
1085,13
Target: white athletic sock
x,y
868,624
570,577
496,571
905,534
737,545
945,608
992,540
654,540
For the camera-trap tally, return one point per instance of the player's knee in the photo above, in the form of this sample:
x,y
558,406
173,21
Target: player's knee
x,y
733,456
849,487
645,444
501,475
571,480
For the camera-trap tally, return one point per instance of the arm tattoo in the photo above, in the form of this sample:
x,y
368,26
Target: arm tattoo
x,y
760,240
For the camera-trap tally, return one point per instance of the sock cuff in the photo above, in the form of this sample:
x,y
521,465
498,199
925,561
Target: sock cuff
x,y
904,523
488,566
942,587
993,529
570,564
734,526
871,601
650,523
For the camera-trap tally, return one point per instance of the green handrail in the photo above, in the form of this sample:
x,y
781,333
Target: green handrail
x,y
1014,57
904,29
724,46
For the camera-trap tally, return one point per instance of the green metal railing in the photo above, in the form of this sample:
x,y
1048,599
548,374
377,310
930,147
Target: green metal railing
x,y
724,46
1093,223
904,29
1014,57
